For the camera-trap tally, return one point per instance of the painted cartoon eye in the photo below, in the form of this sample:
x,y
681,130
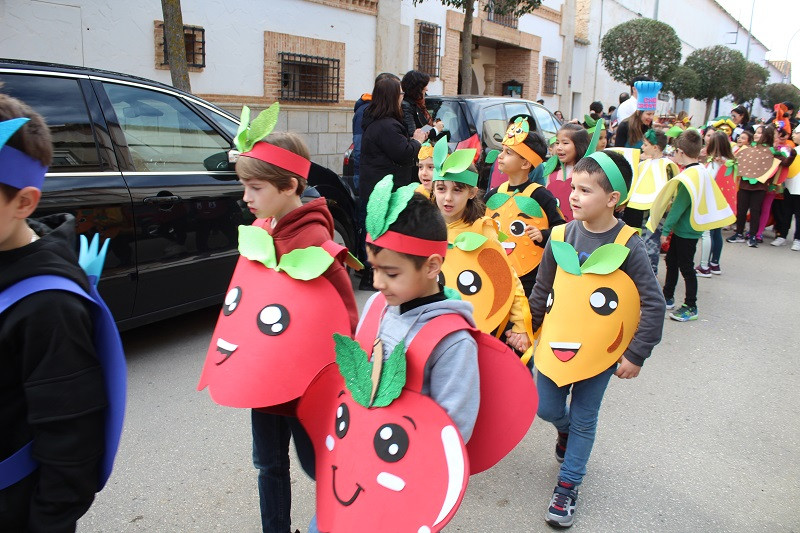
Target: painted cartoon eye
x,y
231,301
273,319
342,420
518,131
469,282
391,442
441,279
517,228
550,299
604,301
497,221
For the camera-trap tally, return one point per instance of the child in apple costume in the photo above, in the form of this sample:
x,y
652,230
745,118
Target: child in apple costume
x,y
601,312
389,429
289,281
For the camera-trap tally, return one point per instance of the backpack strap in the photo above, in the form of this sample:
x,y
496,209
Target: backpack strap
x,y
425,341
108,348
623,236
557,232
530,188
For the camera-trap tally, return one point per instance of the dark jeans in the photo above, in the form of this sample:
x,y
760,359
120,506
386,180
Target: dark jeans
x,y
751,200
680,257
271,435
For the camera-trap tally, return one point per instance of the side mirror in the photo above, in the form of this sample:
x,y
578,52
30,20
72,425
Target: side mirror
x,y
218,161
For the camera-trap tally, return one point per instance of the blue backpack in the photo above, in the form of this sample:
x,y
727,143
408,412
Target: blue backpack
x,y
108,347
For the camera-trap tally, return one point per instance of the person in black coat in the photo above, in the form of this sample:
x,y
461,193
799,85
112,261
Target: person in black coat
x,y
415,114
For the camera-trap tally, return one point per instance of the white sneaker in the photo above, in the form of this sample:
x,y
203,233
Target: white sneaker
x,y
796,245
779,241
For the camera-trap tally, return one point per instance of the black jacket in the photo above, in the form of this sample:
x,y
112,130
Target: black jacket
x,y
386,149
414,119
51,387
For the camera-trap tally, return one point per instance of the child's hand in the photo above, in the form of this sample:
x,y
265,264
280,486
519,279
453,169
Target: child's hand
x,y
627,370
663,239
438,124
534,233
518,341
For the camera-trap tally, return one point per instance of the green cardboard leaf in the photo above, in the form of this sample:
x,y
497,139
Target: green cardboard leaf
x,y
593,143
458,161
378,206
529,206
354,368
240,141
491,156
451,294
469,241
264,123
502,237
439,152
256,244
496,200
393,377
550,166
566,257
305,263
606,259
398,201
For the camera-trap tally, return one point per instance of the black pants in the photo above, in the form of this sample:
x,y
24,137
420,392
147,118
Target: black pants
x,y
784,211
633,217
680,257
751,200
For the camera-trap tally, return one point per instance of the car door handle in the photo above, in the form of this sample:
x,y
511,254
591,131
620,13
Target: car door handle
x,y
161,199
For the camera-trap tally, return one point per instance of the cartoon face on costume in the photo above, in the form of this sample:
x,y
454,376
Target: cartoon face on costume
x,y
261,353
477,267
517,132
402,467
512,213
590,318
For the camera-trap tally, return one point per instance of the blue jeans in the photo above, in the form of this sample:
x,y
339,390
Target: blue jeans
x,y
579,418
271,434
652,244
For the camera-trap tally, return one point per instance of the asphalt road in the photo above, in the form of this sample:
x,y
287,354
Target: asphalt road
x,y
707,438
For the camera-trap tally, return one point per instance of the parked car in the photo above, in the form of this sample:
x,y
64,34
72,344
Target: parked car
x,y
487,117
147,166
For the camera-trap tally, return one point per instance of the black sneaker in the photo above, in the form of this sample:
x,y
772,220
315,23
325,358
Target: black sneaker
x,y
736,237
561,446
561,512
752,243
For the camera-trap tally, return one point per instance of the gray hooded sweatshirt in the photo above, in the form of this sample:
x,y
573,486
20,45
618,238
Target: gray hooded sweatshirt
x,y
451,373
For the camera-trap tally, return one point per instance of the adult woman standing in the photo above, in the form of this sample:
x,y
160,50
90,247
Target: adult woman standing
x,y
740,117
385,148
630,131
415,114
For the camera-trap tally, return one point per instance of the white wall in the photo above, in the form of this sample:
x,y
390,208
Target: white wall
x,y
118,35
552,45
431,11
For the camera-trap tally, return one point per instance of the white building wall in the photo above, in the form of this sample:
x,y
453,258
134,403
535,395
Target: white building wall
x,y
118,35
552,44
699,24
430,11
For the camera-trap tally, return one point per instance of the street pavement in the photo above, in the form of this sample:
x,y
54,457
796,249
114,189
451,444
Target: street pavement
x,y
707,438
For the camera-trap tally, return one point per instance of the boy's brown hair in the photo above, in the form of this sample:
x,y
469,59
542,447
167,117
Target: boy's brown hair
x,y
690,143
33,138
250,168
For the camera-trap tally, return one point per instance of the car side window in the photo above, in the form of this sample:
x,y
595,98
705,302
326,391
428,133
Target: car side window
x,y
163,133
516,108
546,121
494,126
60,101
453,120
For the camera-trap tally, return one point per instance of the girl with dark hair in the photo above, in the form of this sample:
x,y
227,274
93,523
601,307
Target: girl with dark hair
x,y
718,153
630,131
415,114
385,147
572,141
741,117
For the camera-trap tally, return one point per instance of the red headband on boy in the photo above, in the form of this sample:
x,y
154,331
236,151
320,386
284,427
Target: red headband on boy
x,y
406,244
280,157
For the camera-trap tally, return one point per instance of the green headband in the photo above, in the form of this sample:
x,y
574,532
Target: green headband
x,y
453,167
650,135
467,177
612,172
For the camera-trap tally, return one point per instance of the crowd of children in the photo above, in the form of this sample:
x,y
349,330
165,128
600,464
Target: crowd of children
x,y
576,239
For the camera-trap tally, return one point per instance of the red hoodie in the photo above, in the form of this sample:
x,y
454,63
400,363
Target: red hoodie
x,y
311,225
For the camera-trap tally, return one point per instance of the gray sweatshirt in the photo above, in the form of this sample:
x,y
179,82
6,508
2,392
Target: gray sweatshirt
x,y
636,266
451,373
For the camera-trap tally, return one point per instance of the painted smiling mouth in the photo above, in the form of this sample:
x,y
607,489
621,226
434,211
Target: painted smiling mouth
x,y
508,246
565,351
352,499
225,348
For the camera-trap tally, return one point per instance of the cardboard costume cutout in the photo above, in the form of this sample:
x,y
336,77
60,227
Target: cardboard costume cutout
x,y
709,208
757,163
592,311
512,212
727,179
651,176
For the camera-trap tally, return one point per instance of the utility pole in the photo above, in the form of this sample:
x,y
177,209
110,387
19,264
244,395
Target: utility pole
x,y
655,12
750,32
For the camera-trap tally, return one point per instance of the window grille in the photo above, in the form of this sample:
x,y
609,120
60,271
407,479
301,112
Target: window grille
x,y
195,41
505,20
550,76
309,78
428,54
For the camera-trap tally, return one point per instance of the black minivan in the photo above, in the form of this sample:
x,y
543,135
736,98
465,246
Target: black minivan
x,y
147,166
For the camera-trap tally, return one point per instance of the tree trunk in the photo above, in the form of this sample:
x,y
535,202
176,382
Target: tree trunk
x,y
465,67
709,103
175,44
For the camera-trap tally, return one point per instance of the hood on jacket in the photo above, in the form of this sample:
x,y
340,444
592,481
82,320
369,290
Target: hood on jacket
x,y
54,253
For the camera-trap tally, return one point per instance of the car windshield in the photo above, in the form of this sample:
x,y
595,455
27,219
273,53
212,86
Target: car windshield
x,y
452,118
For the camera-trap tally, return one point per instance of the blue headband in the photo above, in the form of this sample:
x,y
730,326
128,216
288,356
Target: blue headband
x,y
17,168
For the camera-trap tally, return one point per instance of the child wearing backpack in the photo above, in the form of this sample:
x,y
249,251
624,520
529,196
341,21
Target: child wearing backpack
x,y
52,388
